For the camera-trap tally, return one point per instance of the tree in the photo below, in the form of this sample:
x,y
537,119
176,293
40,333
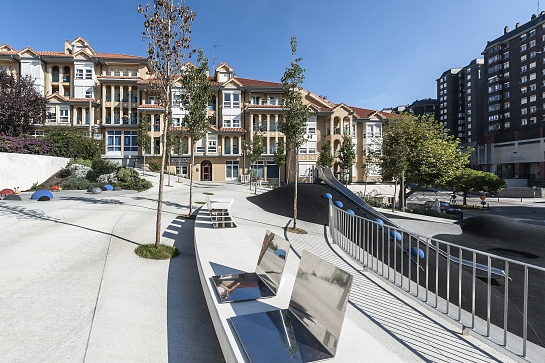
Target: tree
x,y
179,146
256,150
195,100
347,155
69,142
371,157
280,157
296,114
143,138
325,159
21,105
167,30
421,148
469,179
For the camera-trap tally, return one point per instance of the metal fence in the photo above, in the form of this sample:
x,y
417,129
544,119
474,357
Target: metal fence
x,y
499,298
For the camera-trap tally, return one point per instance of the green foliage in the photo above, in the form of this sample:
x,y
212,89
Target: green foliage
x,y
467,179
100,167
256,148
81,161
422,148
273,184
125,174
325,159
65,173
296,113
280,153
154,165
69,142
160,252
35,186
347,154
75,183
143,138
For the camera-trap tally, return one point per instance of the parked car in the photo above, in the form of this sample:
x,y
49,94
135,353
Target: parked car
x,y
446,207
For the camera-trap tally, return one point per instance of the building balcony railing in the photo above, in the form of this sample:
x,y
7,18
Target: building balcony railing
x,y
120,74
79,120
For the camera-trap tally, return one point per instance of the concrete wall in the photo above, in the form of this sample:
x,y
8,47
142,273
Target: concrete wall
x,y
22,170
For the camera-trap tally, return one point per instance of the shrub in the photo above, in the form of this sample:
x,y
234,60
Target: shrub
x,y
81,161
125,174
79,170
101,167
69,142
107,178
75,183
24,145
65,173
154,166
273,184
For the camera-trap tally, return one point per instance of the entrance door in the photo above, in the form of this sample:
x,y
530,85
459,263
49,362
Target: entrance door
x,y
231,170
206,171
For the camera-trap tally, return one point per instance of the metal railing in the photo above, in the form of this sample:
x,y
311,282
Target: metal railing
x,y
497,297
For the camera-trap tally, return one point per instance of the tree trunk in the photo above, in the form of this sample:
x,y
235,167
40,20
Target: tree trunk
x,y
465,198
161,181
365,189
394,201
295,194
169,169
144,164
191,178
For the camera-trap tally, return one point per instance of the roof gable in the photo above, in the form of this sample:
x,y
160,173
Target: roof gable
x,y
56,97
28,52
80,42
6,48
224,67
233,82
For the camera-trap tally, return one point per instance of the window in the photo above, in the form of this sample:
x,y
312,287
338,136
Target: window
x,y
533,98
79,73
532,32
532,44
88,74
523,47
523,68
523,58
236,100
532,76
533,109
523,111
523,100
506,55
507,115
533,54
272,101
507,105
227,100
64,115
129,142
89,93
523,37
255,100
495,107
523,79
533,120
311,130
524,90
523,122
176,122
506,125
231,100
469,76
114,140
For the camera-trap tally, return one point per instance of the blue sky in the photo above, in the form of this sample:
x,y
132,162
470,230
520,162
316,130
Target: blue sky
x,y
365,53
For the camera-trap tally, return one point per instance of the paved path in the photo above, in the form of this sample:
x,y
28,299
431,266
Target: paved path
x,y
72,290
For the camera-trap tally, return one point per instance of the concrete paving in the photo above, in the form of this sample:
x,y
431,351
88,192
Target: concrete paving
x,y
72,290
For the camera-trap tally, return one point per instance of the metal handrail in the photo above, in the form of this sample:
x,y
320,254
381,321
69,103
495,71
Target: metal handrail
x,y
371,243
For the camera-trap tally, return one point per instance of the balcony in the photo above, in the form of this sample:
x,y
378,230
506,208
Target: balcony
x,y
120,74
79,120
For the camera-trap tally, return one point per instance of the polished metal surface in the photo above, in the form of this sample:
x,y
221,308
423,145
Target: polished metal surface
x,y
272,259
266,279
310,328
277,337
319,299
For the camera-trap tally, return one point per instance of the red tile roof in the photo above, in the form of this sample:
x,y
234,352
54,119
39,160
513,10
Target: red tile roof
x,y
232,129
362,112
119,56
257,83
150,106
54,54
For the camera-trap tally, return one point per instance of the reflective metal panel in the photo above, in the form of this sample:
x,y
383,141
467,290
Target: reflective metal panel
x,y
277,337
319,299
272,259
240,287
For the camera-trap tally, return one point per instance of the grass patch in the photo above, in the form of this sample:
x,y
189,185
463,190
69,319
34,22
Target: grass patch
x,y
200,202
295,230
163,252
207,193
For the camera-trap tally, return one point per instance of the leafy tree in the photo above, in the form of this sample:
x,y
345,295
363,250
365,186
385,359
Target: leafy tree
x,y
469,179
296,114
347,155
280,157
195,100
256,150
325,159
167,30
371,158
21,106
420,147
143,138
179,147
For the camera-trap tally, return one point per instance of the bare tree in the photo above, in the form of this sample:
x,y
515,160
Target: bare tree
x,y
143,138
167,30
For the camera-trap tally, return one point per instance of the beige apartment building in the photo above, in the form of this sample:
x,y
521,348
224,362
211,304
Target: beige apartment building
x,y
106,95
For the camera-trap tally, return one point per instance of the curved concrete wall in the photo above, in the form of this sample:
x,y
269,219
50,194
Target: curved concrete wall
x,y
23,170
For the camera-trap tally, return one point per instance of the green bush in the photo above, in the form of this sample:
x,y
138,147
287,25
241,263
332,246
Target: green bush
x,y
80,161
69,142
154,166
273,184
75,183
125,174
65,173
100,167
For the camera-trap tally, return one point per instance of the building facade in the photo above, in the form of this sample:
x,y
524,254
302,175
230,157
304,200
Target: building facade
x,y
106,95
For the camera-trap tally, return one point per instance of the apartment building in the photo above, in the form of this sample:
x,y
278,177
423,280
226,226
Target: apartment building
x,y
107,94
515,146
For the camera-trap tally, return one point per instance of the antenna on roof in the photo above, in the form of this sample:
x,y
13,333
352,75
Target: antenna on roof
x,y
214,57
538,6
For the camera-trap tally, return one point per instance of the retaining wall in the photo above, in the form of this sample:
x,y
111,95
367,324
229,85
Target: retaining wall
x,y
23,170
